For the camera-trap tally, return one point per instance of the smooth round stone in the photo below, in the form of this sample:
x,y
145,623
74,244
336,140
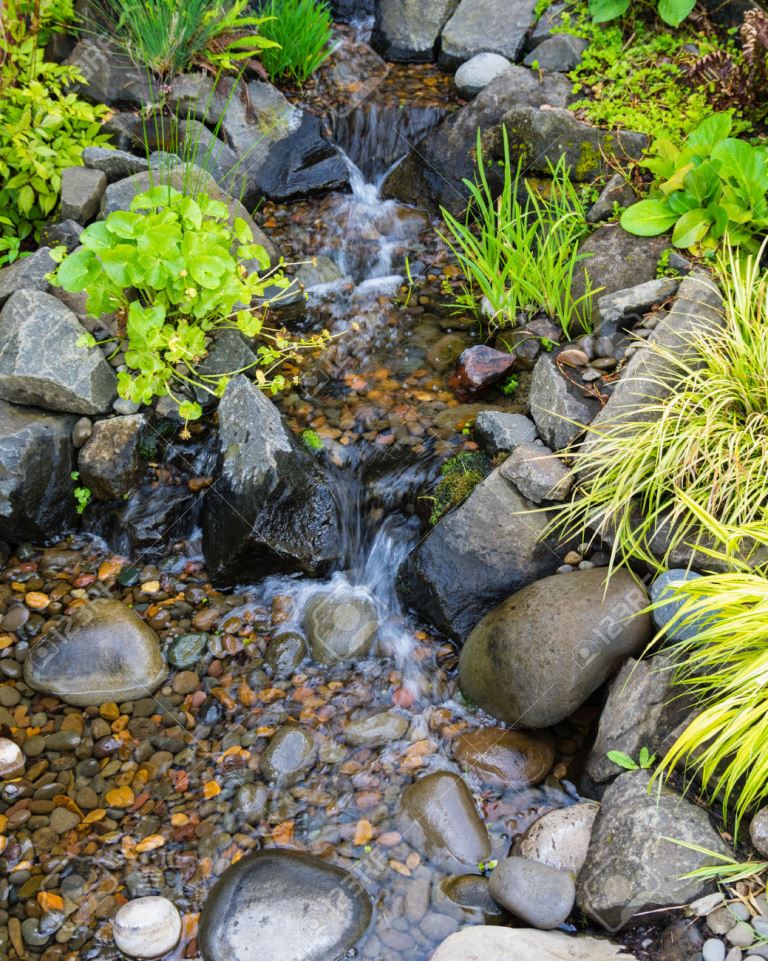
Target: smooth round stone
x,y
476,73
63,820
81,431
506,758
103,652
186,650
285,653
279,905
560,838
340,623
541,896
251,802
440,818
290,753
33,936
11,758
662,588
713,950
377,730
758,831
470,891
147,927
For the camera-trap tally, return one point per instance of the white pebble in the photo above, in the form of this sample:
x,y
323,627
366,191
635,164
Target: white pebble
x,y
147,927
713,950
11,758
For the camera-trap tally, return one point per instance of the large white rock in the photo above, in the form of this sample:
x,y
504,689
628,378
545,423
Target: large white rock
x,y
11,758
147,927
485,943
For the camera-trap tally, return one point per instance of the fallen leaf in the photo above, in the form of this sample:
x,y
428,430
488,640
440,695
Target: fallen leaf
x,y
363,832
211,789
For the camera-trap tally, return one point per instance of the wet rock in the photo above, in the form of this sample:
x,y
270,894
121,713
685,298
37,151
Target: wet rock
x,y
11,759
321,270
377,730
272,510
29,273
626,307
36,499
41,363
147,927
81,432
251,802
557,407
115,164
642,708
560,52
559,838
408,30
110,461
506,758
81,191
291,906
149,524
664,587
103,652
631,864
537,473
470,560
475,75
532,661
496,431
471,891
290,753
477,26
523,944
615,260
616,191
441,819
432,173
285,653
66,233
758,831
340,623
538,894
477,369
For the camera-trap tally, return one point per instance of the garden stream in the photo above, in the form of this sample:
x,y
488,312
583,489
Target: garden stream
x,y
186,789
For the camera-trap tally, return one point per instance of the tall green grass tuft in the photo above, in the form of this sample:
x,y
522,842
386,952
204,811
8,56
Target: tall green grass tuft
x,y
698,450
519,250
301,33
169,36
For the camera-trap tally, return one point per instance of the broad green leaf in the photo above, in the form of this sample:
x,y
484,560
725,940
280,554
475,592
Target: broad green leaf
x,y
78,270
97,237
190,410
691,228
242,231
622,759
674,12
604,10
710,132
124,224
648,218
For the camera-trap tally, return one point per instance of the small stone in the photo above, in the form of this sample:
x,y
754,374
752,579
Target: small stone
x,y
538,473
290,754
741,935
81,191
558,54
476,73
477,369
63,820
147,927
185,682
573,357
538,894
713,950
705,905
758,831
341,623
186,650
285,653
377,730
506,758
81,431
11,758
496,431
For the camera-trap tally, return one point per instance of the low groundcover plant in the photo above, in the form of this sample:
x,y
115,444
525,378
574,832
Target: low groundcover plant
x,y
175,271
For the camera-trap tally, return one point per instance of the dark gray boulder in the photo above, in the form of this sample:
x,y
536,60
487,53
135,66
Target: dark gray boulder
x,y
41,362
408,30
111,76
115,164
271,509
149,524
559,409
29,273
432,172
109,462
283,906
475,556
539,655
81,191
103,652
37,458
560,52
477,26
632,864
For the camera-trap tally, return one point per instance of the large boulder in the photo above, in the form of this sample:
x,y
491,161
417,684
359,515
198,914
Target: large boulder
x,y
41,362
103,652
559,409
477,555
478,26
283,906
409,29
632,864
271,509
29,273
486,943
538,656
440,818
111,76
36,463
433,171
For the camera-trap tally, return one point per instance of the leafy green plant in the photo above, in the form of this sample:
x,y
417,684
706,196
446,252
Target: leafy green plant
x,y
521,256
697,447
81,493
301,34
672,12
510,385
724,869
175,271
44,127
168,36
312,441
644,760
712,185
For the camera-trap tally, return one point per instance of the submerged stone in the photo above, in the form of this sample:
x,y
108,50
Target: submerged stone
x,y
506,758
290,753
341,623
278,905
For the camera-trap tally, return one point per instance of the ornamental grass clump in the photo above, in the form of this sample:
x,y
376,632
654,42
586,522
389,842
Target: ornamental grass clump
x,y
698,447
519,248
300,31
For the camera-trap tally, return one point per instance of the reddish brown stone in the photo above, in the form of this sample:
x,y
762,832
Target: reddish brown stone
x,y
506,758
477,368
